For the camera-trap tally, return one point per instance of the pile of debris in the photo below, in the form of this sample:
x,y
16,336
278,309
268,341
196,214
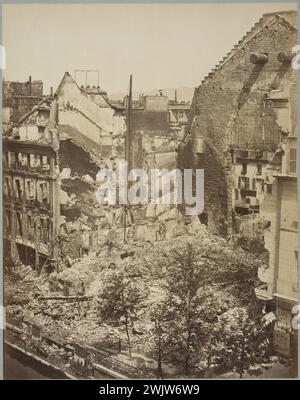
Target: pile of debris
x,y
67,301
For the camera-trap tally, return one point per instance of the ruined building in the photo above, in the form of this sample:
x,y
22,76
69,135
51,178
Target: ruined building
x,y
158,124
240,114
51,158
30,190
90,118
150,115
18,99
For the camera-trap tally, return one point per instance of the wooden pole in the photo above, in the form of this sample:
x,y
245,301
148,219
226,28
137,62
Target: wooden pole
x,y
129,126
128,147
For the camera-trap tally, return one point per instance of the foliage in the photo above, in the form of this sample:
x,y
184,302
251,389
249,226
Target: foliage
x,y
189,305
159,335
120,300
242,342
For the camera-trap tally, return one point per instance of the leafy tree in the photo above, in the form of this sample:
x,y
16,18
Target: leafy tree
x,y
119,301
190,303
160,317
242,342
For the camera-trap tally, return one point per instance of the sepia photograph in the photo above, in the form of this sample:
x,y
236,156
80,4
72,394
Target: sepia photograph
x,y
149,204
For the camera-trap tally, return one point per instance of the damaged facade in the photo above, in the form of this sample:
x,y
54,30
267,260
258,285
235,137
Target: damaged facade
x,y
31,211
45,159
158,124
240,114
87,132
89,117
178,115
90,141
18,100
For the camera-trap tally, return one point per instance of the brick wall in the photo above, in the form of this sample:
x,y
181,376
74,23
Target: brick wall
x,y
232,112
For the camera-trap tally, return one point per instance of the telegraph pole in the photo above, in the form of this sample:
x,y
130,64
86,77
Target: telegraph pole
x,y
128,149
129,128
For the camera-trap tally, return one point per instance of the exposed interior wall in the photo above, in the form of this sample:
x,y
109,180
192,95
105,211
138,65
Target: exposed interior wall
x,y
70,94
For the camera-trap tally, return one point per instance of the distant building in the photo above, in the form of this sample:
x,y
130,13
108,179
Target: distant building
x,y
178,115
150,115
19,98
157,115
157,124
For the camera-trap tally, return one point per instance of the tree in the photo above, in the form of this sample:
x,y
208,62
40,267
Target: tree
x,y
189,302
159,339
242,341
119,301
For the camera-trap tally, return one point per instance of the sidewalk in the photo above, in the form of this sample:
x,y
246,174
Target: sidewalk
x,y
277,371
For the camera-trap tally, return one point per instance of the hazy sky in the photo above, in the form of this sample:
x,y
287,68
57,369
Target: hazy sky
x,y
161,45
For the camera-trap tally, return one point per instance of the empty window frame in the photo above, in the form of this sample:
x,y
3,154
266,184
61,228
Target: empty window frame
x,y
44,192
7,187
19,189
244,169
29,227
259,169
236,193
30,190
12,160
19,224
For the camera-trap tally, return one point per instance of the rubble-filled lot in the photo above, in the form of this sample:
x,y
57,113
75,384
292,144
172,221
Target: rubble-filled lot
x,y
66,303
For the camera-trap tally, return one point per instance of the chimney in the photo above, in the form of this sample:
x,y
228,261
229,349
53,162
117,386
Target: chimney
x,y
51,91
175,96
53,118
258,58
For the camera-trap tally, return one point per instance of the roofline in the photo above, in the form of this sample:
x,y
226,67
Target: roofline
x,y
280,12
105,98
34,108
218,67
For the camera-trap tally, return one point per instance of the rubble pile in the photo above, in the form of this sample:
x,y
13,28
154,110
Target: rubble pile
x,y
67,301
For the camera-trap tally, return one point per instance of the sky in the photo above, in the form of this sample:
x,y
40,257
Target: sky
x,y
161,45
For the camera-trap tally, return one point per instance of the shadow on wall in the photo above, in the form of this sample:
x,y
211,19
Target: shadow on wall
x,y
245,92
